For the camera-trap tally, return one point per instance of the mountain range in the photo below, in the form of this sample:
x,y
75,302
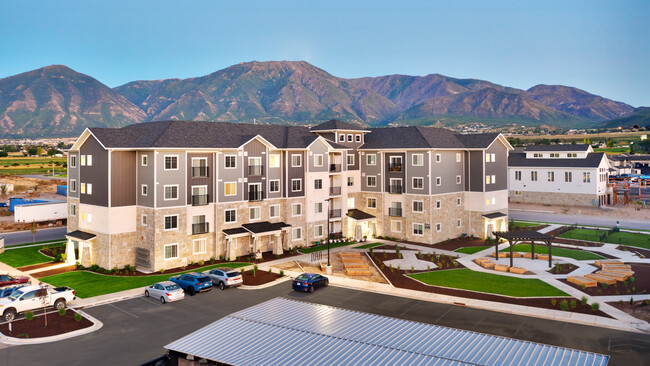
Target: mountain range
x,y
58,101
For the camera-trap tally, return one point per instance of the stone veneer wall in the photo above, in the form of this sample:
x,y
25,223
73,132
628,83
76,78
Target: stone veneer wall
x,y
554,198
73,221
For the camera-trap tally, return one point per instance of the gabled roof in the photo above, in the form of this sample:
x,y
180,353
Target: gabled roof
x,y
591,161
335,124
417,137
577,147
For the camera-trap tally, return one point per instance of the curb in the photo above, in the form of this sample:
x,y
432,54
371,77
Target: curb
x,y
19,341
272,283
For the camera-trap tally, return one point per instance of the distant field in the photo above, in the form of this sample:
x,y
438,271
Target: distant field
x,y
28,165
614,150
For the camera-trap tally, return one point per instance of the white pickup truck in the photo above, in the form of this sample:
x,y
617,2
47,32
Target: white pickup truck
x,y
29,298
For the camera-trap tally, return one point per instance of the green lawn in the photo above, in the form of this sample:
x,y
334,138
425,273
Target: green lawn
x,y
581,255
89,284
471,250
525,224
38,242
368,246
324,247
467,279
21,257
621,237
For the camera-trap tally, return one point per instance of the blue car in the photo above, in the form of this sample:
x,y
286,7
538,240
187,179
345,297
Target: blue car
x,y
193,282
309,282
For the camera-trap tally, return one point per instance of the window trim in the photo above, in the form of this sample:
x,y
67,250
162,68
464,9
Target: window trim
x,y
171,156
274,180
143,219
322,160
413,183
322,232
279,157
225,184
391,226
73,209
259,210
293,230
357,137
347,159
421,156
165,222
89,188
374,160
459,223
459,179
438,181
458,158
271,213
83,188
225,216
350,138
89,160
342,137
438,227
299,160
225,161
73,184
144,160
438,158
143,190
368,182
82,160
165,251
420,225
299,180
73,161
165,192
293,205
438,205
459,201
205,246
368,203
316,186
316,204
413,206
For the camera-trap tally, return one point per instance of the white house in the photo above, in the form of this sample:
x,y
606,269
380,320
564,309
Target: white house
x,y
571,175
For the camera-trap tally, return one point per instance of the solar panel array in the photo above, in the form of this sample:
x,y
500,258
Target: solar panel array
x,y
288,332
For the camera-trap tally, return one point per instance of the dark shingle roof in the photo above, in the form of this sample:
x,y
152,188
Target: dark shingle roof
x,y
591,161
359,215
335,124
578,147
81,235
416,137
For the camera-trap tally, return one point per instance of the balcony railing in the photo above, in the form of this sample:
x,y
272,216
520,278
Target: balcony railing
x,y
335,213
335,168
255,195
255,170
335,191
395,189
200,228
199,200
199,171
395,167
396,212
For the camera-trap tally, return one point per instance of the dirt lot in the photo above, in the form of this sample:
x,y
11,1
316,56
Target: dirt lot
x,y
337,269
27,188
609,211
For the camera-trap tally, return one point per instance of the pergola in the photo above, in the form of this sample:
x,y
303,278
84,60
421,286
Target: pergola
x,y
516,237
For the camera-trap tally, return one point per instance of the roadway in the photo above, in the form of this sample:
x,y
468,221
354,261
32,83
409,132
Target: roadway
x,y
136,330
573,219
20,237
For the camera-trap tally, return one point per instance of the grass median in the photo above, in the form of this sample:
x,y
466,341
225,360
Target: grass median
x,y
604,236
466,279
472,250
88,284
581,255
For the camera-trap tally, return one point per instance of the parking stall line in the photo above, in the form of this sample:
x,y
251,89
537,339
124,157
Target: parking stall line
x,y
124,311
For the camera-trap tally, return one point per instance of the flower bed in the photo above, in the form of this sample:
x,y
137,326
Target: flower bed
x,y
562,268
259,278
35,328
640,284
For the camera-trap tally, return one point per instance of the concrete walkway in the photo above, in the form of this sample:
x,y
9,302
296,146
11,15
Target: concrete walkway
x,y
410,261
549,228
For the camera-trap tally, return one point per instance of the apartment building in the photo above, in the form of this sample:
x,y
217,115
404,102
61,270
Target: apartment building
x,y
165,194
571,175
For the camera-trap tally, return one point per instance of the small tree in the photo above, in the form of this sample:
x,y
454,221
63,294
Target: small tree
x,y
3,189
42,296
33,230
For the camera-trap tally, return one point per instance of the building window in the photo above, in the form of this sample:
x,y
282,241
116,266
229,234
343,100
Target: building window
x,y
83,188
487,179
318,184
494,179
230,189
199,246
143,220
418,206
458,157
418,229
350,158
73,185
296,185
418,159
555,155
517,175
89,160
396,226
395,164
438,158
318,160
533,176
458,179
73,210
296,233
350,181
171,222
230,161
274,185
586,177
458,201
143,160
83,160
89,217
550,177
171,251
296,209
171,192
418,183
73,161
349,138
517,193
318,231
372,203
438,227
171,162
487,158
568,177
372,181
274,161
143,189
438,181
458,223
342,138
318,207
371,159
254,213
230,216
357,138
438,204
296,160
89,188
274,211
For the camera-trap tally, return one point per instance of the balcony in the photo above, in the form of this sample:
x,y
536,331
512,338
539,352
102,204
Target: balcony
x,y
200,228
395,189
395,212
335,191
395,167
335,214
199,200
255,195
199,172
335,168
255,170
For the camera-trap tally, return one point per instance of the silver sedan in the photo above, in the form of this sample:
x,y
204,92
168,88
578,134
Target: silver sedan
x,y
165,291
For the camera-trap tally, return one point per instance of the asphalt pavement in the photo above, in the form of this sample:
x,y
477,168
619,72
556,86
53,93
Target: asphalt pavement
x,y
625,223
21,237
136,330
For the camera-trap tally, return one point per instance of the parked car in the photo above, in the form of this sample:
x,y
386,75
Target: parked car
x,y
193,282
225,277
165,291
309,282
8,280
28,298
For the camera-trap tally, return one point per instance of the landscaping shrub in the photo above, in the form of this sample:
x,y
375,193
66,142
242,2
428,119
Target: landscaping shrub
x,y
201,263
604,286
584,300
631,300
564,305
281,273
270,271
162,270
77,317
632,279
93,268
595,306
29,315
62,311
573,304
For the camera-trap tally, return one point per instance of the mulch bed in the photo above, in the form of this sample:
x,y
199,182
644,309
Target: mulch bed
x,y
519,228
640,286
454,244
579,243
562,268
644,252
639,310
390,247
398,279
260,277
52,250
35,328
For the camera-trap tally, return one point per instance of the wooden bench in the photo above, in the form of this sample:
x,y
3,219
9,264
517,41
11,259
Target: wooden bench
x,y
624,267
486,264
501,267
614,275
352,260
355,265
582,281
517,255
530,255
600,279
350,255
358,272
601,262
518,270
542,256
625,274
504,254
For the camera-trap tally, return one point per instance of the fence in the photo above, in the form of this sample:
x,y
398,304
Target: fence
x,y
316,256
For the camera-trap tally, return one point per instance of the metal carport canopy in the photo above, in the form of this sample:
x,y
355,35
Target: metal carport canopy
x,y
288,332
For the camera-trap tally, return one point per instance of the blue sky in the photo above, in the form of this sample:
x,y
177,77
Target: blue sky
x,y
599,46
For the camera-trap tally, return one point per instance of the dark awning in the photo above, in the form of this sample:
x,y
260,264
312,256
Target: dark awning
x,y
495,215
235,231
359,215
522,235
264,227
81,235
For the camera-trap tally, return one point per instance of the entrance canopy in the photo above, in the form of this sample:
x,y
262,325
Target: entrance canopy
x,y
359,215
531,236
80,235
263,227
495,215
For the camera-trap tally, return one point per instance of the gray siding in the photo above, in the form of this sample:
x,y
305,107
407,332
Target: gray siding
x,y
499,168
170,177
145,176
123,182
229,175
318,148
355,166
417,171
73,173
474,171
255,149
367,170
388,174
95,174
200,181
296,173
448,169
275,174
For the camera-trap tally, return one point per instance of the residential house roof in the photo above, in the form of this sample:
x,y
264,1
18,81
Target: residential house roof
x,y
577,147
591,161
335,124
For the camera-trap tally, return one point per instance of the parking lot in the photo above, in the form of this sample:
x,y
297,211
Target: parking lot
x,y
136,330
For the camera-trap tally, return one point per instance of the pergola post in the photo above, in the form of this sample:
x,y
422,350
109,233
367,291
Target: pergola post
x,y
550,254
532,249
511,262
